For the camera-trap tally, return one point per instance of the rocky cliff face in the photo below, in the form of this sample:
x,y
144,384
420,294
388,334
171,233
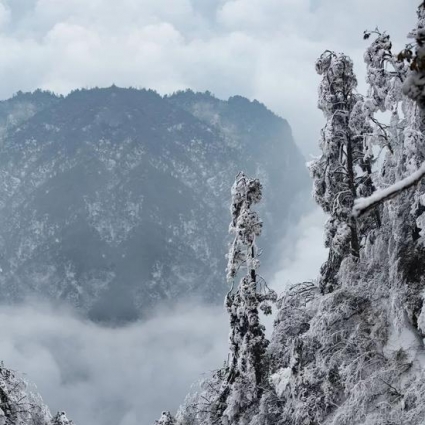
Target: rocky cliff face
x,y
115,199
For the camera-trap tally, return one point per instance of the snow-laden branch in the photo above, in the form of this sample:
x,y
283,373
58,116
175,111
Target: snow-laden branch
x,y
362,205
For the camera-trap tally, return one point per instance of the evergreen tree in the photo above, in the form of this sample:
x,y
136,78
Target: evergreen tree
x,y
246,369
336,182
232,394
414,86
61,419
393,80
18,406
355,355
166,419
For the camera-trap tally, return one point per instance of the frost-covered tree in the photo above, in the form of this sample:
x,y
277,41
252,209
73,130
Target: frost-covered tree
x,y
385,76
166,419
18,405
61,419
401,174
21,405
355,356
394,87
232,394
414,86
344,168
393,80
246,369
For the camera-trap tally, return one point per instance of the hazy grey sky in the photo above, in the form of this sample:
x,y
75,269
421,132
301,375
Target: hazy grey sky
x,y
262,49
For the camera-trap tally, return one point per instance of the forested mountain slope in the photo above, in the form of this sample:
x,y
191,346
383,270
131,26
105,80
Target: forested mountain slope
x,y
114,200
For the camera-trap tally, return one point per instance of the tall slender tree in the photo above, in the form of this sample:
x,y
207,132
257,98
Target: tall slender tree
x,y
246,369
336,175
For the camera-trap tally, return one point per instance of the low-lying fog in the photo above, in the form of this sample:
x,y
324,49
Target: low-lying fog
x,y
127,376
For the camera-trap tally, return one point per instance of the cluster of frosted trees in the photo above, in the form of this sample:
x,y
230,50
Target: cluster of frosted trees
x,y
347,349
21,406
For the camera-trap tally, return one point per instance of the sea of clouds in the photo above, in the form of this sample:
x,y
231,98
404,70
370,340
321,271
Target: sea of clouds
x,y
127,375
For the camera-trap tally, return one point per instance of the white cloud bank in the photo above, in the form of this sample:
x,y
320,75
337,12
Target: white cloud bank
x,y
104,376
127,376
262,49
303,252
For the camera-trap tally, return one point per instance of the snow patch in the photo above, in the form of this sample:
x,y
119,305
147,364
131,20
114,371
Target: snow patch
x,y
281,379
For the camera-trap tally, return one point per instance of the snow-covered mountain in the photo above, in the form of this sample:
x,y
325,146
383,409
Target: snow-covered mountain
x,y
116,199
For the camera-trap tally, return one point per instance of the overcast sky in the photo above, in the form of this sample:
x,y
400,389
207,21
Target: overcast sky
x,y
262,49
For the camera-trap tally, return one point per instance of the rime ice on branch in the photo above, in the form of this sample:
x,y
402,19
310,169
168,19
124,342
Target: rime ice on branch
x,y
344,168
397,83
245,226
246,370
414,85
21,406
361,205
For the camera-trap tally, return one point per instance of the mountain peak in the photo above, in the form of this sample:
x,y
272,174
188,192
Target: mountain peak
x,y
130,189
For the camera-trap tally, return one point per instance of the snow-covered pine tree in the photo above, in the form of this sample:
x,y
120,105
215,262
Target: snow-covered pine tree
x,y
355,356
336,180
385,77
18,405
246,371
61,419
395,85
393,80
351,356
231,396
414,86
166,419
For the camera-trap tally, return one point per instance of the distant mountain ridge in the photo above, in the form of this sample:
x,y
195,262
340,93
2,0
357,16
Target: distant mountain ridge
x,y
116,199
